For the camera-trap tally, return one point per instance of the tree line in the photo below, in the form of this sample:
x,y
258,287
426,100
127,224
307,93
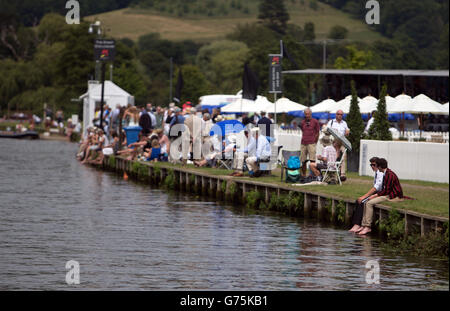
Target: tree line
x,y
51,62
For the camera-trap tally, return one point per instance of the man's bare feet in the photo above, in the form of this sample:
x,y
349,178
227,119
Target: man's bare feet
x,y
364,231
355,228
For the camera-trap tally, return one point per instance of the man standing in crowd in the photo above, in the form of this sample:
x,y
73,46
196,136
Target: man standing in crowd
x,y
340,126
159,117
377,187
310,135
194,124
265,125
152,116
391,190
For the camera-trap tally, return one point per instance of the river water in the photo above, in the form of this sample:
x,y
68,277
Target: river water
x,y
126,235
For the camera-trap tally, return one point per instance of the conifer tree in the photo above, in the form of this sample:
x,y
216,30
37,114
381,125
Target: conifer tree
x,y
380,126
274,15
354,120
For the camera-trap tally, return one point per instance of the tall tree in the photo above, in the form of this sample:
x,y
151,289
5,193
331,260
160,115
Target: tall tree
x,y
380,126
354,120
274,15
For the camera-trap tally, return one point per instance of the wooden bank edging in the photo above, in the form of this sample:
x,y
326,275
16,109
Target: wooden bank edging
x,y
314,203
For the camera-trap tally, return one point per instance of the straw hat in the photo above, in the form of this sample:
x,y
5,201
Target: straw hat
x,y
219,118
325,140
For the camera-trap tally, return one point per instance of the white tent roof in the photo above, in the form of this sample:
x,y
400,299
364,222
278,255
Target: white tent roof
x,y
446,108
217,99
419,104
111,90
244,105
343,104
368,104
323,106
284,105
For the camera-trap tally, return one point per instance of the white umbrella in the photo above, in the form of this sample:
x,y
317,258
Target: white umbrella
x,y
284,105
390,102
323,106
419,104
368,104
245,105
343,104
445,106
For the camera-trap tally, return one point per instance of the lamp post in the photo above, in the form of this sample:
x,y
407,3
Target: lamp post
x,y
96,28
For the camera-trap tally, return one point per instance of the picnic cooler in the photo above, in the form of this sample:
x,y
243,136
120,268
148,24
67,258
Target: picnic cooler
x,y
132,133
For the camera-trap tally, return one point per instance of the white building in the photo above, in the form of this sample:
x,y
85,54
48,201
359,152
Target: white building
x,y
113,95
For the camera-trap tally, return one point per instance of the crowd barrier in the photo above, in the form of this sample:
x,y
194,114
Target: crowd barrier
x,y
409,160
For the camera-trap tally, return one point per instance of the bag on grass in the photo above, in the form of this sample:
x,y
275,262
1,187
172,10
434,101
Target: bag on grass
x,y
293,163
292,176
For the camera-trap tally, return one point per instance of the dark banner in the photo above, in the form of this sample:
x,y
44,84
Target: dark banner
x,y
275,75
104,49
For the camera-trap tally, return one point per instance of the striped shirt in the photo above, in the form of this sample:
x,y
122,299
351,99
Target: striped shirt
x,y
391,185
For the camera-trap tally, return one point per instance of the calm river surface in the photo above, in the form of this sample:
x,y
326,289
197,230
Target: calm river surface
x,y
129,236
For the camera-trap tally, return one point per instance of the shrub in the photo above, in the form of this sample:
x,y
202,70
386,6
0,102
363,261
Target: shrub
x,y
253,199
112,161
340,211
393,226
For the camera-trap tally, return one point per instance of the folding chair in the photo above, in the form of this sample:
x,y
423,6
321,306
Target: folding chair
x,y
334,167
285,155
266,166
225,163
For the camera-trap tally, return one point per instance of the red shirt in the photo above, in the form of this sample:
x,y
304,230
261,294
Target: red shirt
x,y
310,131
391,185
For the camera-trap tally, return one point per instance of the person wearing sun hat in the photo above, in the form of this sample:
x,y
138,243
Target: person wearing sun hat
x,y
329,155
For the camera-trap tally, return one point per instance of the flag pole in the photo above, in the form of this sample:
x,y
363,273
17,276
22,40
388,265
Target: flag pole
x,y
275,106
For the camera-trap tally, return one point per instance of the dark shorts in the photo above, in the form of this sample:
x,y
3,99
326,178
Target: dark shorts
x,y
321,166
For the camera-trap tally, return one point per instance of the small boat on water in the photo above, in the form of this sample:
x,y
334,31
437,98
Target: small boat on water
x,y
19,135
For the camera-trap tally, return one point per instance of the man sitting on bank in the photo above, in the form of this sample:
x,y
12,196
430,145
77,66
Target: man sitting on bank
x,y
391,190
377,187
262,152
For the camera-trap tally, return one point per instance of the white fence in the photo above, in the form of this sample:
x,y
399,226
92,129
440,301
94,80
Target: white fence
x,y
409,160
429,136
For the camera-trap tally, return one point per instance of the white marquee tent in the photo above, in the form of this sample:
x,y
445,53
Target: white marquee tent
x,y
113,95
417,105
284,105
343,104
244,105
323,106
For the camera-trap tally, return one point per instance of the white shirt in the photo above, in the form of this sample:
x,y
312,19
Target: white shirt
x,y
261,147
369,124
378,181
340,127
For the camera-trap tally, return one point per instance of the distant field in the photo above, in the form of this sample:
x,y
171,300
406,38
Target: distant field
x,y
132,23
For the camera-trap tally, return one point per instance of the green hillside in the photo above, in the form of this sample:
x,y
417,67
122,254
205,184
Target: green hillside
x,y
203,25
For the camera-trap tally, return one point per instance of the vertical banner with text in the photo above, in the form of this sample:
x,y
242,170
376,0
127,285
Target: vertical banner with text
x,y
275,75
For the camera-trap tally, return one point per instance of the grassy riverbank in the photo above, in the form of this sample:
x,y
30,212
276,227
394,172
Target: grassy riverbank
x,y
431,198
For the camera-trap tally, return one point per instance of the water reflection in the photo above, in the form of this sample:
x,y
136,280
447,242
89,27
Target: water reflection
x,y
128,236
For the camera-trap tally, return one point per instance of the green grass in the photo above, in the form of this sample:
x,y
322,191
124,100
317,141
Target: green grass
x,y
430,198
134,22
